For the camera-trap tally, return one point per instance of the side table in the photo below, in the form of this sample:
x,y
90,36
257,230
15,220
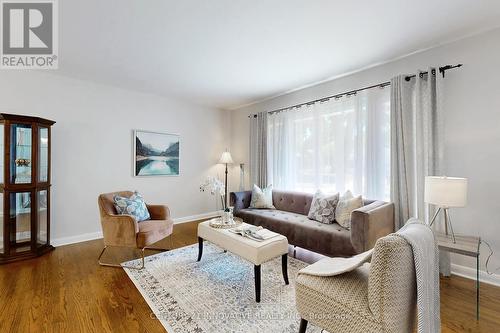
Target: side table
x,y
467,246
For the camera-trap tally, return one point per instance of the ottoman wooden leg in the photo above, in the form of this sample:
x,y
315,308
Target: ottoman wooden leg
x,y
284,267
303,326
256,269
200,248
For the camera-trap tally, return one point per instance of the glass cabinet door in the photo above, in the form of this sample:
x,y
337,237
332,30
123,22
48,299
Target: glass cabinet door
x,y
20,220
42,204
20,153
43,154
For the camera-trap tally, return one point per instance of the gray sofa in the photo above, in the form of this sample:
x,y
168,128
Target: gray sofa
x,y
368,223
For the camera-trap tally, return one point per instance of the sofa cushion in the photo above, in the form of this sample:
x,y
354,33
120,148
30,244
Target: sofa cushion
x,y
269,217
328,239
294,202
152,231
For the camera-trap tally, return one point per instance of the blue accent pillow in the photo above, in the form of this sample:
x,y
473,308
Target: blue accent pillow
x,y
134,206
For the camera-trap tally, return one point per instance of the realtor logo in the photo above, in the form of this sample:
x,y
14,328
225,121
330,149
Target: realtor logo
x,y
29,34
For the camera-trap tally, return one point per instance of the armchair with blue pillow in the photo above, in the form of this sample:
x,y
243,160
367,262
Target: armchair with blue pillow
x,y
127,221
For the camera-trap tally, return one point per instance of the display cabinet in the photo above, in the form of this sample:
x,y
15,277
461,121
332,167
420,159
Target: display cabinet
x,y
25,187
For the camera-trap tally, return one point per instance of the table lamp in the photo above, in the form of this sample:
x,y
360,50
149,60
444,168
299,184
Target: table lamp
x,y
445,192
226,159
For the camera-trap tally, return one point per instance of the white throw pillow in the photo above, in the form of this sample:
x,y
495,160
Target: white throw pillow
x,y
347,195
262,198
323,207
347,204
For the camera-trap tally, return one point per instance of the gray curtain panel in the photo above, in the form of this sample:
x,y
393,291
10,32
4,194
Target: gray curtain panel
x,y
258,149
416,142
416,145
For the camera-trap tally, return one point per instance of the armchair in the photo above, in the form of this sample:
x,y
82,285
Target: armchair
x,y
125,231
376,297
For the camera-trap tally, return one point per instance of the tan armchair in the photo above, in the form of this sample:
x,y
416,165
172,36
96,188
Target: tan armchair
x,y
125,231
375,298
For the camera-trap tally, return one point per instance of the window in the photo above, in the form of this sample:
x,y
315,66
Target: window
x,y
334,146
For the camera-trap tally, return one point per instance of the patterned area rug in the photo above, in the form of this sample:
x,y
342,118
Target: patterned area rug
x,y
217,294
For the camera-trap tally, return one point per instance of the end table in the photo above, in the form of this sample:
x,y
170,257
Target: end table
x,y
467,246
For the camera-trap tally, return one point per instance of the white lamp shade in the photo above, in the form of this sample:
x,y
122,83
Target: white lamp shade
x,y
446,192
226,158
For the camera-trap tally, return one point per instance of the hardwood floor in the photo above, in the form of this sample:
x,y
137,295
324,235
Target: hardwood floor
x,y
67,291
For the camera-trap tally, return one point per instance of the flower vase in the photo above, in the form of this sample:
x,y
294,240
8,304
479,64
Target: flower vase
x,y
227,217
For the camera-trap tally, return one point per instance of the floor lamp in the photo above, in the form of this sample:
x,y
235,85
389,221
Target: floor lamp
x,y
226,159
445,193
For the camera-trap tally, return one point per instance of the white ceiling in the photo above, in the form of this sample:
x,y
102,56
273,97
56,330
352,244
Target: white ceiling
x,y
226,53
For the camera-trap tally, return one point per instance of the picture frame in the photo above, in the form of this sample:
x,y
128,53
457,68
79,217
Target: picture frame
x,y
155,154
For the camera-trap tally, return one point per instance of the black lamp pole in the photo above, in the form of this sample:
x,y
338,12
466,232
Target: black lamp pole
x,y
225,159
225,187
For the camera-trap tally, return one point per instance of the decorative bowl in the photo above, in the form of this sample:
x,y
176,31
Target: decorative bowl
x,y
218,223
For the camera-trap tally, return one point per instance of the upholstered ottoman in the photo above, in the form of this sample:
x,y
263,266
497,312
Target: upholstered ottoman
x,y
253,251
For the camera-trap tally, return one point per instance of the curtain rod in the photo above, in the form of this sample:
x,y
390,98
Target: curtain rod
x,y
442,70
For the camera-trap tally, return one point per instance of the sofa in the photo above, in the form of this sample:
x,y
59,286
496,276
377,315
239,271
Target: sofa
x,y
368,223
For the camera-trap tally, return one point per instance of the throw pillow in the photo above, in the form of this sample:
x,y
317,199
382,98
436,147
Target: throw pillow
x,y
345,207
347,195
134,206
262,198
323,207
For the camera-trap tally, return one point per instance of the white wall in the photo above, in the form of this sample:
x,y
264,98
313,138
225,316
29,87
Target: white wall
x,y
92,145
472,138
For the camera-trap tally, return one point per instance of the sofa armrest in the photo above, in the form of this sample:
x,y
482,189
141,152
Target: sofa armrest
x,y
159,212
119,230
371,222
240,200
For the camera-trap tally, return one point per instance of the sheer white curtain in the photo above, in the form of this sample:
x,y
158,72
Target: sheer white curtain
x,y
334,145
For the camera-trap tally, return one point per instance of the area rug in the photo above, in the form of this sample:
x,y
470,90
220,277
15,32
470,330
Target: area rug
x,y
217,294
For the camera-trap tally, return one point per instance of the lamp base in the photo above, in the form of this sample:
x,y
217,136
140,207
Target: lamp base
x,y
447,222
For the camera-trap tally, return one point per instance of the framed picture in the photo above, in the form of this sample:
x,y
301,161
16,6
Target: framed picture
x,y
156,154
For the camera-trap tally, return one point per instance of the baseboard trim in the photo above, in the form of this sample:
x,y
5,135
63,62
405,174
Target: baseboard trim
x,y
76,239
195,217
96,235
470,273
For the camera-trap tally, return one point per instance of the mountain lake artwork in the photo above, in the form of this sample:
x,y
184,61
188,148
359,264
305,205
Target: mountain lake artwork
x,y
156,154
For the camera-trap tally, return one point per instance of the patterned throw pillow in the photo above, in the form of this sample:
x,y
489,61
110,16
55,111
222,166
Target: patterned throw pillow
x,y
323,207
134,206
345,207
262,198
